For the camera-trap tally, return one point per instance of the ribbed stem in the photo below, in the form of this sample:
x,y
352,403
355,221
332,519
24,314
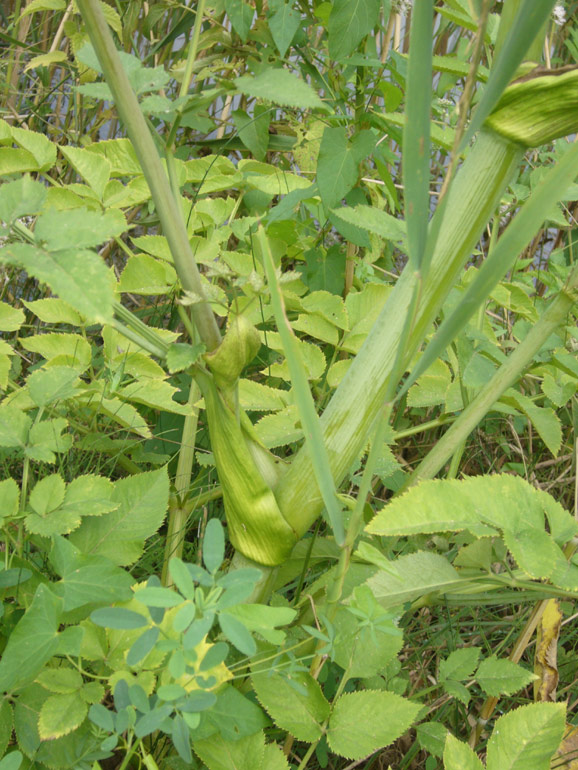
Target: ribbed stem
x,y
168,209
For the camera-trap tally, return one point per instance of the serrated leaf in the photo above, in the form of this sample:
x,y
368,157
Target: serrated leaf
x,y
349,22
45,59
460,664
143,79
417,574
280,429
70,350
143,501
55,384
9,497
235,716
299,711
314,325
274,758
534,551
457,690
38,145
43,5
90,495
92,692
157,394
328,305
432,737
11,318
53,310
254,396
280,87
374,221
432,387
526,737
48,494
336,166
119,153
62,680
502,677
543,419
459,756
46,438
283,24
20,197
60,715
33,641
95,169
146,275
6,723
362,722
54,523
180,356
363,650
87,579
78,276
312,356
454,505
241,16
220,754
14,426
56,230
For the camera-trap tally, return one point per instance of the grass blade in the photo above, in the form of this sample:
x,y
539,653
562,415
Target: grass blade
x,y
516,237
553,317
303,397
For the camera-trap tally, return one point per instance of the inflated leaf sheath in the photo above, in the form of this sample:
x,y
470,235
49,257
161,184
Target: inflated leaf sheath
x,y
246,469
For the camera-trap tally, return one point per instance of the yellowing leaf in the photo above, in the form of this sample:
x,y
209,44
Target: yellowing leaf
x,y
189,680
45,59
545,661
60,349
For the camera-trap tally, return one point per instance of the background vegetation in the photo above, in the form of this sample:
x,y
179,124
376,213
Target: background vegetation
x,y
237,345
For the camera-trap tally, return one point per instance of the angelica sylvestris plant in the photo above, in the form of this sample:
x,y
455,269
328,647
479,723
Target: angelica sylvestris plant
x,y
229,308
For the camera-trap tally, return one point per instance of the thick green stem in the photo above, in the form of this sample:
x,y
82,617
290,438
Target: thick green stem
x,y
348,419
167,207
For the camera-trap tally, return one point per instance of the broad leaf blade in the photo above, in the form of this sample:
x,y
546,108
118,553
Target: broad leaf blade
x,y
79,277
33,641
363,722
526,737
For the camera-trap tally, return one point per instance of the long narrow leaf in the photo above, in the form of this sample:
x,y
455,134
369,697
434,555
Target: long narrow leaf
x,y
528,22
505,376
416,132
516,237
303,397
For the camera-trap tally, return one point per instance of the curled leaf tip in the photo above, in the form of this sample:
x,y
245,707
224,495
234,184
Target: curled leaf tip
x,y
539,107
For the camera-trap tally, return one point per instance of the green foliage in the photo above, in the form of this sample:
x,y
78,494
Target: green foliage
x,y
272,173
